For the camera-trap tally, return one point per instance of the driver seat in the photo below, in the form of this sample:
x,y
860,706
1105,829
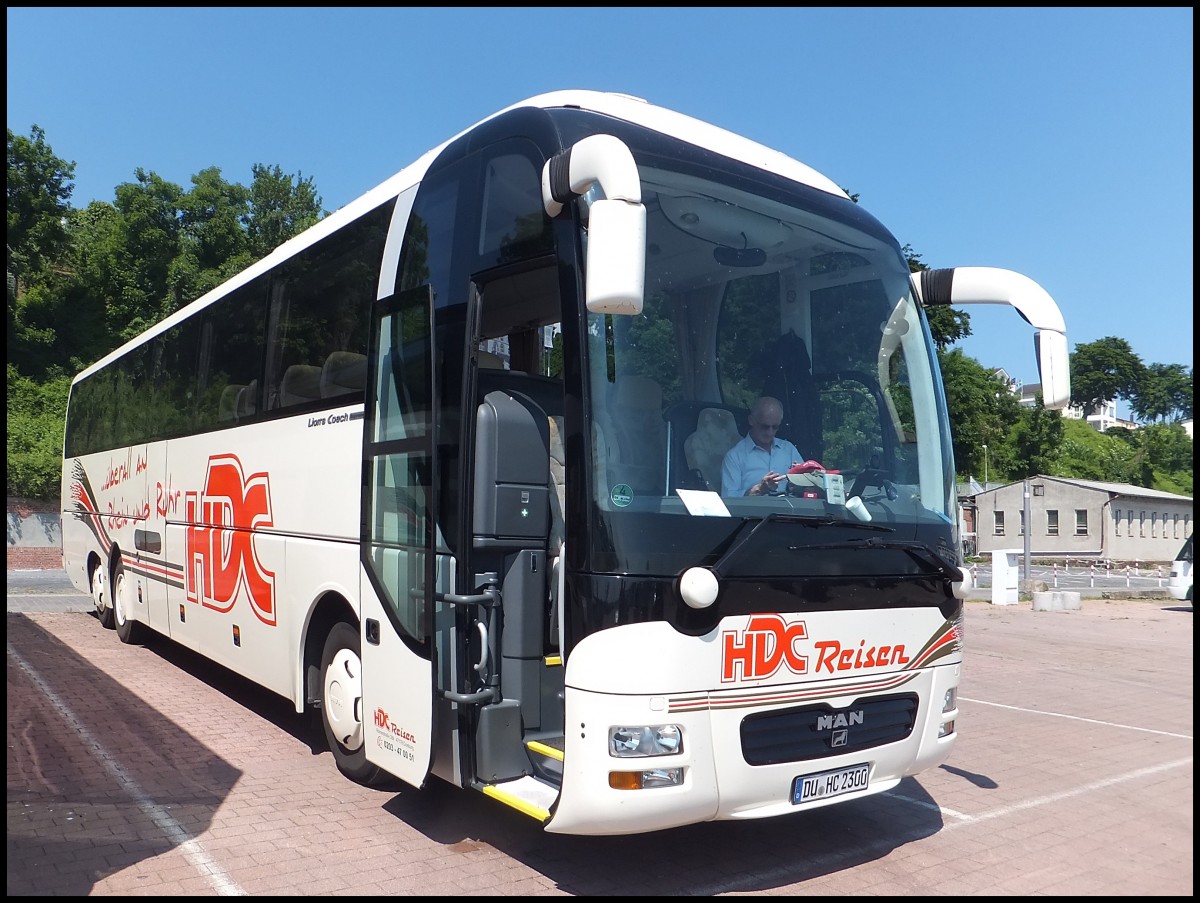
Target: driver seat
x,y
716,433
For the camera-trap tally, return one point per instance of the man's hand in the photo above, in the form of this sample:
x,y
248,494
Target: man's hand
x,y
767,484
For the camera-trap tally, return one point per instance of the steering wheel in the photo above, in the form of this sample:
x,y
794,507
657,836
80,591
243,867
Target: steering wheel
x,y
869,477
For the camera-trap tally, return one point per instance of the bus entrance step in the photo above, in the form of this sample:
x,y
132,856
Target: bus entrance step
x,y
526,794
546,755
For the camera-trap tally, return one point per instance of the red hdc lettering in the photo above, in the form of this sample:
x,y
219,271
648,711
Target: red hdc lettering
x,y
220,553
769,641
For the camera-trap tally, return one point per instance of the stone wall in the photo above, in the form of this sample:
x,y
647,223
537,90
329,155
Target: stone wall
x,y
34,535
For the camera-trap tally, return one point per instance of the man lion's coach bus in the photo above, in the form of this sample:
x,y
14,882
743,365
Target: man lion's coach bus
x,y
447,467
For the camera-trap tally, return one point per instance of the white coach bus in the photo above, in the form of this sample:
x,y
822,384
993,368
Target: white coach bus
x,y
447,467
1180,583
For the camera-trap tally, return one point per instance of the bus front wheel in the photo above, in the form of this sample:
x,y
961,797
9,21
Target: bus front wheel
x,y
100,599
342,704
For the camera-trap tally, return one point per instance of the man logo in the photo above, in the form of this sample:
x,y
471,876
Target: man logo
x,y
839,719
840,738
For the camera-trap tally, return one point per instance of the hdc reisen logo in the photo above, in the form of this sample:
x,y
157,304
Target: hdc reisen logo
x,y
220,541
767,643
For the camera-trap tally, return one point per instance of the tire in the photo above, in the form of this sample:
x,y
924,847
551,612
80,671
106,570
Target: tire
x,y
124,604
100,597
341,704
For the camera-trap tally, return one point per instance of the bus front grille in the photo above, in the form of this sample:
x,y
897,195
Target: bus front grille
x,y
817,731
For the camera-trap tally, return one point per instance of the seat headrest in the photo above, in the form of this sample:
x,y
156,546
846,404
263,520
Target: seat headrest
x,y
717,421
301,383
342,373
228,402
247,399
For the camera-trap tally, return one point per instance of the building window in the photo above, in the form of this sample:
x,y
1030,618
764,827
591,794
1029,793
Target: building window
x,y
998,530
1116,521
1176,526
1141,523
1129,522
1154,525
1021,532
1081,522
1039,489
1052,522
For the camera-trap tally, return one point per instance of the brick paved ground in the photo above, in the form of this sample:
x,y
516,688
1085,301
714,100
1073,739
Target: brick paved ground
x,y
144,770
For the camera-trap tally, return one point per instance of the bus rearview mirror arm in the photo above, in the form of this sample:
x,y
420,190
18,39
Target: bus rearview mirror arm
x,y
616,240
992,285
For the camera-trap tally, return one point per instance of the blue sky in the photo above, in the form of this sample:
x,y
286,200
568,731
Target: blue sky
x,y
1054,142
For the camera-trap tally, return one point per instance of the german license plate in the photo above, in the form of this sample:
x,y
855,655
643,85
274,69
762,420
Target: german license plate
x,y
824,784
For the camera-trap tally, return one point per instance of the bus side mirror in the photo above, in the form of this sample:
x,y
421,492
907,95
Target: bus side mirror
x,y
1053,368
616,258
616,237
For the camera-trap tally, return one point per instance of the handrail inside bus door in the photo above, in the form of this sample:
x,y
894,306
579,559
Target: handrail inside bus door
x,y
488,625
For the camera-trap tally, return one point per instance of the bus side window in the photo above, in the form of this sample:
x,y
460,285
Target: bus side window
x,y
320,315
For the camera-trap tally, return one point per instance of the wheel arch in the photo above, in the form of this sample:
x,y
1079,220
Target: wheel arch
x,y
92,562
114,556
331,608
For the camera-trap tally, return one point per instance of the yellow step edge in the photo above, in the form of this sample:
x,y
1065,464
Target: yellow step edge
x,y
551,661
516,802
548,751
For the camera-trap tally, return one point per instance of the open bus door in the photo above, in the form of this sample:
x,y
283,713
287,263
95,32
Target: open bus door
x,y
398,540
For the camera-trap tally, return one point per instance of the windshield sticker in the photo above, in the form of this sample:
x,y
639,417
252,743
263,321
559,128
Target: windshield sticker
x,y
621,495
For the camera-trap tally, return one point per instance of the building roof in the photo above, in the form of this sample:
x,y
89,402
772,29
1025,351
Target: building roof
x,y
1127,489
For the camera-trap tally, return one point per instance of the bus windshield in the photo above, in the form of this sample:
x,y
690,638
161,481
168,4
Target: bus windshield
x,y
763,290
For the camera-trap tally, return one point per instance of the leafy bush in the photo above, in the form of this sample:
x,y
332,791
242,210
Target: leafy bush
x,y
35,434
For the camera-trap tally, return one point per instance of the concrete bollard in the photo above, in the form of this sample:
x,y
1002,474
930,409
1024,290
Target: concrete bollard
x,y
1057,600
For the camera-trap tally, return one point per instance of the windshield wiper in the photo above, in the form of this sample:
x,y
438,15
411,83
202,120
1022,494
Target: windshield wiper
x,y
918,551
749,528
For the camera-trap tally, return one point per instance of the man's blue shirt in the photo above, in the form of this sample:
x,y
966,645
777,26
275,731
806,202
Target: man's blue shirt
x,y
746,463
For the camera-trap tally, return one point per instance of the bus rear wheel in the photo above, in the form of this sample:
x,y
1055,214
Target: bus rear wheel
x,y
342,704
129,629
100,598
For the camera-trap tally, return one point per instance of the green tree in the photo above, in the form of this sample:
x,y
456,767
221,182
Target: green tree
x,y
1169,451
982,411
281,206
213,244
1087,454
1102,371
39,188
35,435
1163,392
150,226
1037,438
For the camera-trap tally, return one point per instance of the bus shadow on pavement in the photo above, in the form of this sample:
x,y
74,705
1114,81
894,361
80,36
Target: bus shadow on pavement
x,y
704,859
256,700
93,771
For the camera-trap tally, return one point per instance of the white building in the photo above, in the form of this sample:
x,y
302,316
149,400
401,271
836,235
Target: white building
x,y
1082,519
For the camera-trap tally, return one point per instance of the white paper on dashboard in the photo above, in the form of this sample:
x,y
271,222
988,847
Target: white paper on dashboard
x,y
703,502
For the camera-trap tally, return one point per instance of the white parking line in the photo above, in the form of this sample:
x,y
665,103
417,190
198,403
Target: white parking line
x,y
178,835
962,819
1128,727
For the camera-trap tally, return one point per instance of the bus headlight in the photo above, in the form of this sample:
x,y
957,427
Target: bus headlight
x,y
949,704
645,740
